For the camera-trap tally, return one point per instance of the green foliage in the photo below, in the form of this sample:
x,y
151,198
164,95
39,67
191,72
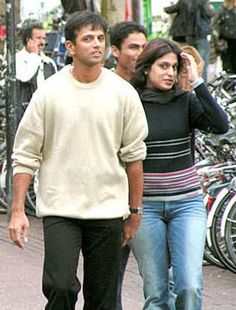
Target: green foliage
x,y
160,28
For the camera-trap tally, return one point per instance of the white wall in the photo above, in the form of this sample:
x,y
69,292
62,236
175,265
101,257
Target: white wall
x,y
35,9
158,5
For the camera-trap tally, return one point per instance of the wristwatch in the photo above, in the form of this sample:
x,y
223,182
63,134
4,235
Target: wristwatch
x,y
136,210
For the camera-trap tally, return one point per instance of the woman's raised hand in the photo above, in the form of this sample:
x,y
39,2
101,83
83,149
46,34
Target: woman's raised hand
x,y
190,66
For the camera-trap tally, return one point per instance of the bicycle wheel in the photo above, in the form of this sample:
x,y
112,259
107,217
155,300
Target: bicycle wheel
x,y
3,194
210,257
218,242
30,202
230,233
220,197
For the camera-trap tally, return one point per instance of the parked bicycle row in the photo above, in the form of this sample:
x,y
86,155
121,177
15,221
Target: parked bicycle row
x,y
219,187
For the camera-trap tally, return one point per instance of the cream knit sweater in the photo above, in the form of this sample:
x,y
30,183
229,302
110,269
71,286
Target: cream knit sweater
x,y
80,136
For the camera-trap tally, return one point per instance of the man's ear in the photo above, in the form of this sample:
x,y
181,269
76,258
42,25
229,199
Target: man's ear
x,y
70,47
115,51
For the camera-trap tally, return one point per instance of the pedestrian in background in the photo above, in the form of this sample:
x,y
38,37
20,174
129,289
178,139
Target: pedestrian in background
x,y
32,65
224,24
178,23
88,115
194,22
127,41
173,226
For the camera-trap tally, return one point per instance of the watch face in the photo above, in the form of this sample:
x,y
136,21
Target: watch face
x,y
136,210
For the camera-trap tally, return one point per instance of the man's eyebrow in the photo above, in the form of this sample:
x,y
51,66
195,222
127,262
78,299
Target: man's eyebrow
x,y
136,44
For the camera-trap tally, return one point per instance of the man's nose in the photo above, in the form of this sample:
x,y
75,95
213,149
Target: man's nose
x,y
96,42
42,42
140,49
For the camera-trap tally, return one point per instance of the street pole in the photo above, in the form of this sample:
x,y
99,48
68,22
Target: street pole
x,y
11,94
137,7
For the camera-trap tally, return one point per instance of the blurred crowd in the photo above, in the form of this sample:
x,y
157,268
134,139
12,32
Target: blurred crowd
x,y
211,31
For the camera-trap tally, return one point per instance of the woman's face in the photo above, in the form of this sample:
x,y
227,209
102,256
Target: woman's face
x,y
163,72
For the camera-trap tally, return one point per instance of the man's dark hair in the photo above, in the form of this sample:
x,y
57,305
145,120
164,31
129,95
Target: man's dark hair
x,y
81,19
120,31
27,30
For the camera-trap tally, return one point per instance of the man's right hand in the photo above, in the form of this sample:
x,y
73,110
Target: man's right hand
x,y
19,229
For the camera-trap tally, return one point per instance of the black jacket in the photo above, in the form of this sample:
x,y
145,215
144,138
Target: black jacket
x,y
26,89
224,23
193,19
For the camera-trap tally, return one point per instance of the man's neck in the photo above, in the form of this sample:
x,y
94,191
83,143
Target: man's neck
x,y
125,74
86,74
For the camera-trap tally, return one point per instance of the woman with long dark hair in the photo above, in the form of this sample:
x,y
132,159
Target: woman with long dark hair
x,y
172,230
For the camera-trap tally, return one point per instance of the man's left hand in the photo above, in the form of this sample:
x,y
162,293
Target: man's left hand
x,y
131,225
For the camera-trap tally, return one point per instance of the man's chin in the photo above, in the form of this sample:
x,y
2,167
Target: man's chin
x,y
132,70
41,49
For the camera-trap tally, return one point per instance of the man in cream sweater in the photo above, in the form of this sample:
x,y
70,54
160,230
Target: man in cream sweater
x,y
84,130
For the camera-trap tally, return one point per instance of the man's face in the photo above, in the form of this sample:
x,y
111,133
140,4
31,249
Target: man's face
x,y
131,48
89,46
38,39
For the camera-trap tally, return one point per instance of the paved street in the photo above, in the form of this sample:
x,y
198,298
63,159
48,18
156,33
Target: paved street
x,y
20,274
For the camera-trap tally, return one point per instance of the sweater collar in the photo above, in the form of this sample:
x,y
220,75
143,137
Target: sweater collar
x,y
152,95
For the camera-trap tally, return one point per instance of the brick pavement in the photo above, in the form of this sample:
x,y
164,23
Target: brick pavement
x,y
20,274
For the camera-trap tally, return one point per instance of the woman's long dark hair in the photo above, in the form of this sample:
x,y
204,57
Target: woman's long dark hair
x,y
153,50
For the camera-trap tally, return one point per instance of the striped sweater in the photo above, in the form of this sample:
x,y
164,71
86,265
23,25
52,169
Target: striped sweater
x,y
169,171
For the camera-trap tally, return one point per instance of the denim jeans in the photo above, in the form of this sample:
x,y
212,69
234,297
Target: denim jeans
x,y
171,233
100,243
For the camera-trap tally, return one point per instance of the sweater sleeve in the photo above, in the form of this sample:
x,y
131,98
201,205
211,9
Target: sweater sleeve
x,y
135,130
29,140
205,112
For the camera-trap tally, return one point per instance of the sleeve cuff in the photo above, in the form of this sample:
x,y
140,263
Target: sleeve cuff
x,y
127,155
21,169
198,82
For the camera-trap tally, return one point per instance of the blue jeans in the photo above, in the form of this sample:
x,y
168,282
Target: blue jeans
x,y
171,233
